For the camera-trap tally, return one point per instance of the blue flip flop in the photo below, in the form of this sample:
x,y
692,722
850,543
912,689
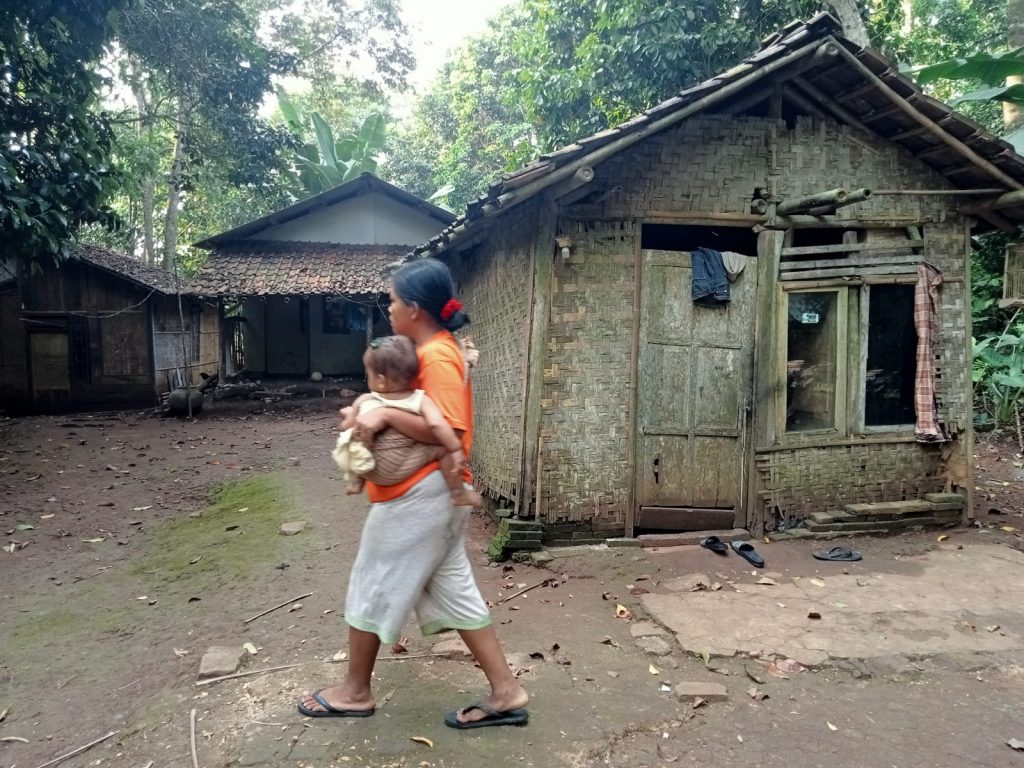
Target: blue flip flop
x,y
746,550
329,711
494,717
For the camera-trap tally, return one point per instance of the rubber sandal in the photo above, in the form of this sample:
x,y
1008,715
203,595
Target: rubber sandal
x,y
494,717
329,711
839,554
715,544
746,550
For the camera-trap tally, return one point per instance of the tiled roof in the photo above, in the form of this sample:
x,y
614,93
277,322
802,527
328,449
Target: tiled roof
x,y
127,267
835,82
264,267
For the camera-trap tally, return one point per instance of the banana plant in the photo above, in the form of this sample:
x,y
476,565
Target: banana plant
x,y
330,160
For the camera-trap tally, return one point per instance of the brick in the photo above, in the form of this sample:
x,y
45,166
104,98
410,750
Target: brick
x,y
888,508
622,543
706,691
953,507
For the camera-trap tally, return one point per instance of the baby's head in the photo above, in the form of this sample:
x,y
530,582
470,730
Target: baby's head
x,y
391,364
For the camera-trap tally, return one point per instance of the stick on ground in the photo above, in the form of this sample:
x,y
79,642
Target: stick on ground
x,y
523,591
282,605
192,737
78,751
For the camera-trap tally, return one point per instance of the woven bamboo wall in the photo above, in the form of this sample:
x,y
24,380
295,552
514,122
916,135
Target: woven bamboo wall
x,y
495,283
585,434
712,165
805,480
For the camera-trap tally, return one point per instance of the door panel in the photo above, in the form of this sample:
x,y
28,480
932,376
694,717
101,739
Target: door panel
x,y
694,382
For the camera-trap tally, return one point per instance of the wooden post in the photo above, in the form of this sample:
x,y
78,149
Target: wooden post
x,y
368,310
543,250
634,375
769,251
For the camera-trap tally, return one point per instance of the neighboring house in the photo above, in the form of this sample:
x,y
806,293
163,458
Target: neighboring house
x,y
609,402
307,285
101,330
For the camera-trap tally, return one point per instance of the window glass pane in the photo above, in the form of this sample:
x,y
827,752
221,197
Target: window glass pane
x,y
811,361
892,356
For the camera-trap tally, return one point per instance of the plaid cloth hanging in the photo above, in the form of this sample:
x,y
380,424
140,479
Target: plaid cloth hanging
x,y
926,323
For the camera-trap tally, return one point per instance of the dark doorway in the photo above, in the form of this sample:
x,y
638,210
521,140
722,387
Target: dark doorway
x,y
687,237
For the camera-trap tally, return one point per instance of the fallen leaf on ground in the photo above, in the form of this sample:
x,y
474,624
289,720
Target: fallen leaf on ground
x,y
698,702
142,597
612,674
608,596
642,577
1008,528
818,582
839,605
400,647
791,665
653,669
179,652
14,738
666,758
665,688
25,527
250,649
753,677
3,714
773,669
195,560
142,509
700,586
1015,744
636,591
992,628
813,615
706,655
767,581
715,587
943,537
537,655
46,517
608,641
295,607
756,693
92,541
739,738
830,726
622,612
339,656
422,740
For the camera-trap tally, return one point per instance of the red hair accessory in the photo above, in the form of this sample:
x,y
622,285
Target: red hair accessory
x,y
449,309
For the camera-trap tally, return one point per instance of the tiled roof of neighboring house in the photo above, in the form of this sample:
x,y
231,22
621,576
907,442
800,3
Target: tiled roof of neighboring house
x,y
127,267
360,185
854,85
265,267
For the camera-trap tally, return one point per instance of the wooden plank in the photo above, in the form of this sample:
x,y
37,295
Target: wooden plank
x,y
850,271
811,250
547,214
858,351
870,260
634,367
685,519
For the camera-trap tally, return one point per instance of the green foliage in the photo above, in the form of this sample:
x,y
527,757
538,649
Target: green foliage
x,y
55,172
330,160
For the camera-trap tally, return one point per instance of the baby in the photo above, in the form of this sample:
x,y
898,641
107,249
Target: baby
x,y
391,367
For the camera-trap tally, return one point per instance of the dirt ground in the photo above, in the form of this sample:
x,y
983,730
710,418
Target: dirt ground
x,y
139,542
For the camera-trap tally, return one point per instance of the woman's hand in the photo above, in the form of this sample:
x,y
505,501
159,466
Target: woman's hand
x,y
459,463
367,425
348,416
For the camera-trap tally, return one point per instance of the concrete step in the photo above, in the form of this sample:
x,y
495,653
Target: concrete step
x,y
888,509
884,525
690,538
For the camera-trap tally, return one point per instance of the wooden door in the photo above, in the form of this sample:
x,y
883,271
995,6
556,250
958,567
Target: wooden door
x,y
694,389
287,342
51,373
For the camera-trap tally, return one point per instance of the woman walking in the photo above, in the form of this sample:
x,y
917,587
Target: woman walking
x,y
412,554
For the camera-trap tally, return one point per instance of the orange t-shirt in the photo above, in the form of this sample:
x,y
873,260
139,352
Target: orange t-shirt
x,y
443,377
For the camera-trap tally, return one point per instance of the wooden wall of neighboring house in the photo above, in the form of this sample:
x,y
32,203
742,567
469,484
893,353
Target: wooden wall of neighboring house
x,y
710,166
14,394
495,282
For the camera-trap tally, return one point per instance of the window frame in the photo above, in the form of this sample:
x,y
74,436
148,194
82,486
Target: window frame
x,y
840,426
859,402
853,304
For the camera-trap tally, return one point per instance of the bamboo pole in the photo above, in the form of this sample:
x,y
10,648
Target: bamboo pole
x,y
929,125
832,199
1005,200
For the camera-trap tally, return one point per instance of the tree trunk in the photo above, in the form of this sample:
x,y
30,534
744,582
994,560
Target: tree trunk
x,y
146,183
853,23
1013,118
174,186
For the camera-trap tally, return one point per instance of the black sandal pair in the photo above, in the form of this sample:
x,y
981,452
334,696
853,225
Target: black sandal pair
x,y
742,548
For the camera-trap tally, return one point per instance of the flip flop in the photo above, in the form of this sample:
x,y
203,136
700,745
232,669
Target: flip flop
x,y
746,550
715,544
841,554
329,711
494,717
